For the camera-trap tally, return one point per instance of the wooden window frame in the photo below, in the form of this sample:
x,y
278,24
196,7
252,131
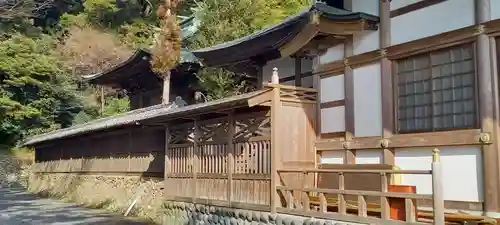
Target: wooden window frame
x,y
394,64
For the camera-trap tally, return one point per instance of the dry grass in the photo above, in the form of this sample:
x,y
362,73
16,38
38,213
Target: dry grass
x,y
89,50
25,156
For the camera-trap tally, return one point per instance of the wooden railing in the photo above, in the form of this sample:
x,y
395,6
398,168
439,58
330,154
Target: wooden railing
x,y
316,202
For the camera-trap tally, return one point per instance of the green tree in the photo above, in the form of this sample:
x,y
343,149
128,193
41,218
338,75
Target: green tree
x,y
227,20
37,92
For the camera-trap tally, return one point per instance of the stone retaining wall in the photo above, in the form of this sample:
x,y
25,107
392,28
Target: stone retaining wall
x,y
179,213
114,193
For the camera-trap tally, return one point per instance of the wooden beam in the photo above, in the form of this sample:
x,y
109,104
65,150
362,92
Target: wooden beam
x,y
431,139
304,37
261,98
413,7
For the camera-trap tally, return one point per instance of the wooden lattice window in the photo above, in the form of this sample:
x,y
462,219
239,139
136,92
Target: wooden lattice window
x,y
436,91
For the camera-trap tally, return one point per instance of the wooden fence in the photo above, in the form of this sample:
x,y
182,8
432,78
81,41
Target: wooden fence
x,y
223,161
135,151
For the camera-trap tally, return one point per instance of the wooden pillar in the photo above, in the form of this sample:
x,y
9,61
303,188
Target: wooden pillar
x,y
487,112
260,77
230,156
350,155
167,164
386,73
275,140
196,160
298,71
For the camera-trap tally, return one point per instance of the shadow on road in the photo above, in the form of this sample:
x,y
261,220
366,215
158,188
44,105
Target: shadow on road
x,y
19,207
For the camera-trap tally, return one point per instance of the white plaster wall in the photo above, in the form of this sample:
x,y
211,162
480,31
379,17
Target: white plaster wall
x,y
366,41
332,54
367,101
332,157
462,171
369,156
439,18
495,9
333,119
332,88
396,4
366,6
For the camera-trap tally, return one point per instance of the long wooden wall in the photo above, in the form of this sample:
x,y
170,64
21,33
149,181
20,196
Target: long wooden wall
x,y
223,161
128,151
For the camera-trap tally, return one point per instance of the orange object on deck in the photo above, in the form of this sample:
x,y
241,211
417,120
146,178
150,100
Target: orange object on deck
x,y
398,204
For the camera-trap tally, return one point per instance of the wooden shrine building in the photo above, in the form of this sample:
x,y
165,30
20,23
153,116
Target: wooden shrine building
x,y
354,102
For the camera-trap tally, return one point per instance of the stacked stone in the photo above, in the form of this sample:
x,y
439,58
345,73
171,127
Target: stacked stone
x,y
9,169
179,213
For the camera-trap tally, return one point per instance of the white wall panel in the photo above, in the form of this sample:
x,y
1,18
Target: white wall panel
x,y
332,88
366,41
333,119
462,171
367,101
332,54
369,156
439,18
332,157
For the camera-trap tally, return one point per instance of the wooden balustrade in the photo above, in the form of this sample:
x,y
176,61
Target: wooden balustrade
x,y
316,202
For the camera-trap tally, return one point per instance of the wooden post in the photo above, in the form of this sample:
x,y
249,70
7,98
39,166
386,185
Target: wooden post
x,y
349,89
166,88
437,188
167,163
230,156
298,71
260,77
196,160
487,112
275,145
386,80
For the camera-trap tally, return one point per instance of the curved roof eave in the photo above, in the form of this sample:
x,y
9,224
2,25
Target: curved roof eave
x,y
269,40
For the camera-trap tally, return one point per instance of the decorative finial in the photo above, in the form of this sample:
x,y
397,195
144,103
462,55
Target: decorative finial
x,y
275,79
435,155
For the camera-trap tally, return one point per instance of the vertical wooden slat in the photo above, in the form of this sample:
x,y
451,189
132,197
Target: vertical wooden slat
x,y
362,207
410,211
341,198
322,203
384,203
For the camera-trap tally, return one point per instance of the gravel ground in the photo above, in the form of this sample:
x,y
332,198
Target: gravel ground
x,y
18,207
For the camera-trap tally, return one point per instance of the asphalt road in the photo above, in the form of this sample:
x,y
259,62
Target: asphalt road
x,y
19,207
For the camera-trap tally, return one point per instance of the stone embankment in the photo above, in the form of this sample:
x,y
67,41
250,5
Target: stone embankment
x,y
12,170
